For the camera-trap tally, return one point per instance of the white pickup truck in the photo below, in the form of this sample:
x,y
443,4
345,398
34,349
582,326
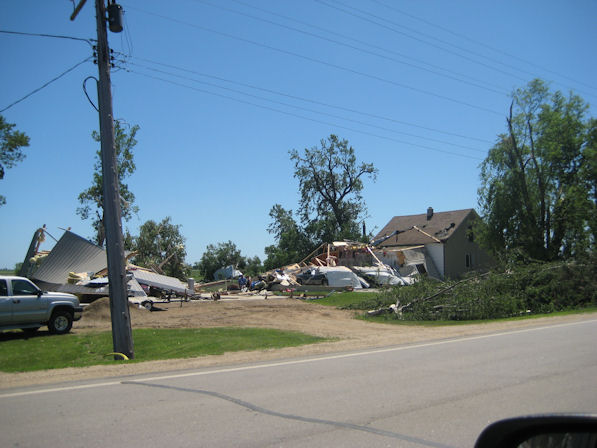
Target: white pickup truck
x,y
23,305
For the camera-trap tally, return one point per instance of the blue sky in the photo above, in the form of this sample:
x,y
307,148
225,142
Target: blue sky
x,y
223,89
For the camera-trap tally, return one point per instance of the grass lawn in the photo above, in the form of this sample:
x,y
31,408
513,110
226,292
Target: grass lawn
x,y
341,299
22,353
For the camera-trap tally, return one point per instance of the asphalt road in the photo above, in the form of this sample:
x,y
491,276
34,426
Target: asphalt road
x,y
436,394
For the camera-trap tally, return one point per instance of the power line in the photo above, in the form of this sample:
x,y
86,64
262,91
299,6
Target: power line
x,y
55,36
397,31
321,62
314,111
475,41
47,83
368,44
454,76
311,101
428,148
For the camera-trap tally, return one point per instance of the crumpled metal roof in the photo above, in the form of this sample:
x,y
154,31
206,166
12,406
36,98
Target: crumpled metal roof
x,y
159,281
71,253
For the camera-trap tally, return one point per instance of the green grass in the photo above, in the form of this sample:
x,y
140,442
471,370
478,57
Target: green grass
x,y
343,299
196,274
22,353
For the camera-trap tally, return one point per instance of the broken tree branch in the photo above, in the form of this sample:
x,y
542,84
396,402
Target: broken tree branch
x,y
398,309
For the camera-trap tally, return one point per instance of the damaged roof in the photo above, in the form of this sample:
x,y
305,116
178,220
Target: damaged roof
x,y
159,281
426,228
70,254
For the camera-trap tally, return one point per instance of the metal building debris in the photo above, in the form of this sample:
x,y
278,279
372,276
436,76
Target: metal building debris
x,y
227,273
78,266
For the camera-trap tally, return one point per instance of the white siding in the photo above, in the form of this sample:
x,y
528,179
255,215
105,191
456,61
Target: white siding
x,y
436,252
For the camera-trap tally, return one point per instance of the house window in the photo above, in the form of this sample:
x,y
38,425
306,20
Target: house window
x,y
468,261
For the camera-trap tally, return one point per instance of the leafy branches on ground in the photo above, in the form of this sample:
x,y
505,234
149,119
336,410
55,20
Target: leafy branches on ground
x,y
521,289
11,144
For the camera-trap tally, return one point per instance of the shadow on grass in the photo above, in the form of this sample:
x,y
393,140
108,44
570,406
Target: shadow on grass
x,y
18,335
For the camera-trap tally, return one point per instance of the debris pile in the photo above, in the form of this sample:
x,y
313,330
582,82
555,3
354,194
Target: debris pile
x,y
77,266
345,265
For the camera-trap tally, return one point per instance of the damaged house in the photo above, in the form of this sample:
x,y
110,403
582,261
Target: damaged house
x,y
442,244
77,266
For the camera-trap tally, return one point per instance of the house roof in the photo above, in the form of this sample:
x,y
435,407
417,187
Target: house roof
x,y
418,229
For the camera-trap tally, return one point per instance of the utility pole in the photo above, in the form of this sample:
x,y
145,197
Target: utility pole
x,y
122,337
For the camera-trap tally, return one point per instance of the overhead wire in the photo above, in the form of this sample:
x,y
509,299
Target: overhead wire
x,y
254,96
311,110
55,36
477,42
85,91
368,44
47,83
394,29
322,62
316,102
90,42
398,29
453,75
208,92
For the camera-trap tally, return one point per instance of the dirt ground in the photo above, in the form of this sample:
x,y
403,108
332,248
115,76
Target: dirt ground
x,y
280,313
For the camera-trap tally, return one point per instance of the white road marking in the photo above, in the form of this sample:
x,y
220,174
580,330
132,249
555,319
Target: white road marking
x,y
292,362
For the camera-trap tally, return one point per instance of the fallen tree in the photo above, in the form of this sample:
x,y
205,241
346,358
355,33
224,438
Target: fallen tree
x,y
532,288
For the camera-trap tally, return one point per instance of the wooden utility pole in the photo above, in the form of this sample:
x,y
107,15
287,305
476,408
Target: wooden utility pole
x,y
122,336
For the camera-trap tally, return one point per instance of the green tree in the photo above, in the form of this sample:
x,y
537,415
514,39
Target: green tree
x,y
11,144
330,184
534,195
219,256
162,246
588,175
331,205
92,199
253,266
292,243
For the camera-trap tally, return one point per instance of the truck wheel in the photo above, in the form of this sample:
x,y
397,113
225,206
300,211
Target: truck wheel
x,y
61,322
